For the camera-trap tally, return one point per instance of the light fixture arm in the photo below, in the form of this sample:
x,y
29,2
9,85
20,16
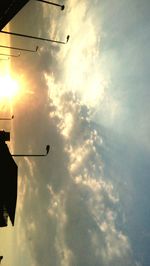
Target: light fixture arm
x,y
33,37
18,48
33,155
11,55
7,118
51,3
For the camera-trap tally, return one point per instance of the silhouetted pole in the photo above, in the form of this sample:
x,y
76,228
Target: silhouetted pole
x,y
33,155
33,37
7,118
51,3
11,55
18,48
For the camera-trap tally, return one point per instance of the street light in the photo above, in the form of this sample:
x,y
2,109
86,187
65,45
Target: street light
x,y
18,48
33,155
7,118
11,55
51,3
34,37
5,136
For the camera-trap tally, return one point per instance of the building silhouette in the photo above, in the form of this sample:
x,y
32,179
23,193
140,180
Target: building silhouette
x,y
8,183
9,179
8,9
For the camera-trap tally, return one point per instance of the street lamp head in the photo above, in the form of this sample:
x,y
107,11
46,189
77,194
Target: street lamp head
x,y
68,37
47,149
62,7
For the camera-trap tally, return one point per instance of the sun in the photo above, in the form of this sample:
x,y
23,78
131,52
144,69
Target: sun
x,y
9,87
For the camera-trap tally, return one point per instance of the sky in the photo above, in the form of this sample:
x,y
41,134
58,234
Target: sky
x,y
87,202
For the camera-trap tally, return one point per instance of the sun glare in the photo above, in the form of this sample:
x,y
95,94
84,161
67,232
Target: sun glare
x,y
8,87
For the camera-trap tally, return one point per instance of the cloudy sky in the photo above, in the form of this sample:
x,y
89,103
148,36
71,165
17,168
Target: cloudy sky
x,y
87,202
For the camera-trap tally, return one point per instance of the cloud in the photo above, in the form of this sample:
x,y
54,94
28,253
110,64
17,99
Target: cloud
x,y
69,213
67,207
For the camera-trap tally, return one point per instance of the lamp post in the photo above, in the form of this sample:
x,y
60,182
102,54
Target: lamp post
x,y
34,37
33,155
18,48
51,3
